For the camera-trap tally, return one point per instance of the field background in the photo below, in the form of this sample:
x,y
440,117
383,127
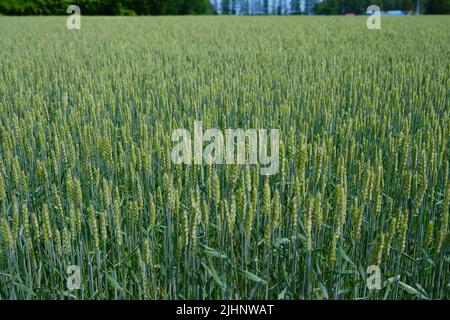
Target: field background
x,y
86,118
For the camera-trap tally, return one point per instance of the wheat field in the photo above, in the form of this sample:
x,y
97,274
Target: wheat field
x,y
86,178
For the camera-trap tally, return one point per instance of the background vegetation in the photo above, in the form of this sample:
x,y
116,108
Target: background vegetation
x,y
107,7
360,6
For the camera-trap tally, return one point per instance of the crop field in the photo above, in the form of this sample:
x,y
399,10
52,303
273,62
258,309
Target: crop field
x,y
87,182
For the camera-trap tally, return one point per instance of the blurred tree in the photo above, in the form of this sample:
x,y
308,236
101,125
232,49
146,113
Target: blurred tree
x,y
245,6
107,7
233,6
266,7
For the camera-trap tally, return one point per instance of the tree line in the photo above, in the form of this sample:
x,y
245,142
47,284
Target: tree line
x,y
185,7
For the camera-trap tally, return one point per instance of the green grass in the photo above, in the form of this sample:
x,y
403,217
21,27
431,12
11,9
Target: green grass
x,y
86,118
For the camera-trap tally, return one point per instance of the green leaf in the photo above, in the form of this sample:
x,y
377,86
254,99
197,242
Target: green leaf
x,y
345,256
253,277
214,274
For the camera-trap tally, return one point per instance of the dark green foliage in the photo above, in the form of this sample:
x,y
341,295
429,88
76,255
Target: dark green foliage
x,y
107,7
438,6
